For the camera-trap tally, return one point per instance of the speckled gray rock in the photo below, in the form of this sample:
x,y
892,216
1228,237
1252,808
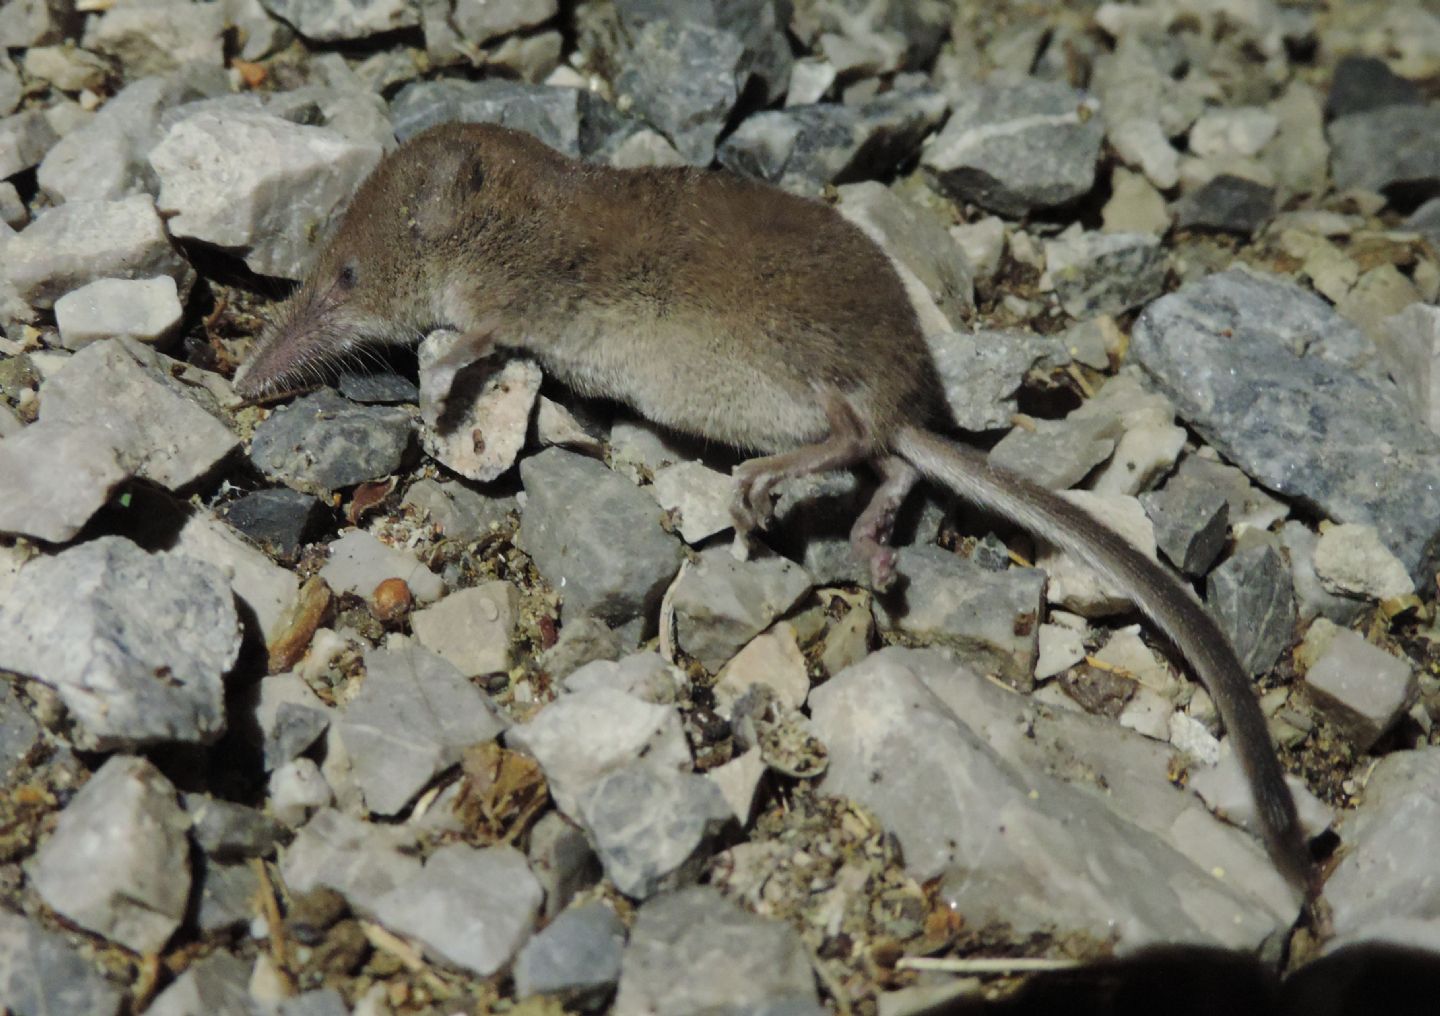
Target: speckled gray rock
x,y
805,147
1312,599
1015,147
575,959
1386,873
683,79
147,310
19,733
1410,347
1058,453
1192,522
360,860
871,38
1251,596
470,908
1385,148
227,831
1105,273
412,718
99,621
158,38
41,973
265,591
595,536
326,21
377,388
81,471
580,737
950,600
1363,83
734,961
478,21
721,603
1220,345
81,241
645,675
651,825
322,442
1227,204
982,372
1360,687
554,115
118,862
461,513
279,520
758,25
24,140
159,426
258,185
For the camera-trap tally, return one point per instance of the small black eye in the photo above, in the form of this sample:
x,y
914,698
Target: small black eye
x,y
347,276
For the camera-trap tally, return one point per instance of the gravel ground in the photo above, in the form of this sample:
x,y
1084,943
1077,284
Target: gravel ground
x,y
321,707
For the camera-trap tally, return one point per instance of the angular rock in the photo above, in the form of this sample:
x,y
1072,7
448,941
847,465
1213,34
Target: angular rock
x,y
24,140
697,496
721,603
461,513
1074,584
227,831
279,520
734,960
1410,347
258,185
575,959
580,737
1192,522
1363,83
1360,687
1057,453
263,587
644,675
1350,560
684,79
41,973
1387,148
651,825
1016,147
1105,273
595,537
475,419
471,628
361,861
219,983
37,22
118,862
467,907
1218,345
100,621
951,601
324,21
561,859
19,733
82,241
414,715
758,26
1253,600
378,387
67,67
1221,134
982,373
1312,599
147,310
554,115
322,442
1227,204
359,562
159,38
156,424
297,790
80,471
773,659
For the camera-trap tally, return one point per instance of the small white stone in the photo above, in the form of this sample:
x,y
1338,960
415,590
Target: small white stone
x,y
1075,585
1350,559
297,790
738,780
1060,649
983,242
1241,131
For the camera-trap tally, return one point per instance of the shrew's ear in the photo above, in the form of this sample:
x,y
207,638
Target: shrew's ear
x,y
447,183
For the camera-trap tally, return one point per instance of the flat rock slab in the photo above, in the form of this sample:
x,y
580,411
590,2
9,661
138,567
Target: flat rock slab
x,y
322,442
359,860
359,562
118,862
471,628
576,957
1308,425
41,973
721,604
80,471
136,644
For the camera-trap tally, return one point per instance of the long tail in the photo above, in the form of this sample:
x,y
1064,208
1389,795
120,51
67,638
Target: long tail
x,y
1160,596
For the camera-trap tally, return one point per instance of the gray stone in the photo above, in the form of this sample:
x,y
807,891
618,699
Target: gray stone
x,y
683,78
645,675
359,562
298,789
470,908
461,513
1253,600
1387,148
1350,561
1362,83
118,862
98,622
80,469
155,422
583,640
872,39
279,520
1409,345
471,628
296,728
326,21
949,600
651,825
697,497
12,209
37,22
159,37
379,387
803,148
1227,204
147,310
1105,273
562,860
414,715
734,961
105,158
10,87
1016,147
553,115
1359,687
258,185
81,241
1425,220
576,958
595,537
1312,599
19,733
24,140
1057,454
579,738
1249,505
982,373
257,34
479,21
475,417
41,973
227,831
1192,522
1220,346
226,895
721,603
360,861
321,442
320,1002
266,591
757,25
